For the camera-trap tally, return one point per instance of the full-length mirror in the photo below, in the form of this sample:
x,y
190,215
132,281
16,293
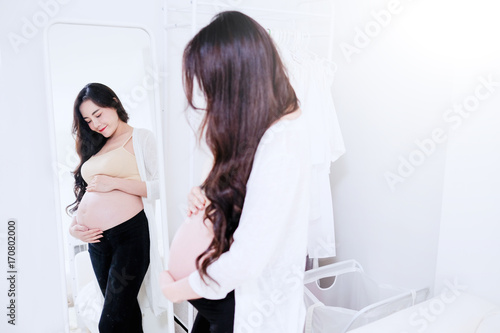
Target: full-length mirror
x,y
122,58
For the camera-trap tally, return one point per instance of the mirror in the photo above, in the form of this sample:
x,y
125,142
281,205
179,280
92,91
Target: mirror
x,y
122,58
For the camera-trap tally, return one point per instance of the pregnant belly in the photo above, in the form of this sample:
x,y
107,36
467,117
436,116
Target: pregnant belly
x,y
191,239
106,210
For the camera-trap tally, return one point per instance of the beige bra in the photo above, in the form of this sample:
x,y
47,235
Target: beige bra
x,y
118,162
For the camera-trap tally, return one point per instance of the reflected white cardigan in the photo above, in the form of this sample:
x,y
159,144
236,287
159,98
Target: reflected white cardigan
x,y
147,162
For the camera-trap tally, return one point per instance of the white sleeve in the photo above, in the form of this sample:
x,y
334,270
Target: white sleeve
x,y
151,164
271,189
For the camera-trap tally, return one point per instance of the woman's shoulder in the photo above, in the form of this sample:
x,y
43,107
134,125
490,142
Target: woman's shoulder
x,y
283,131
287,137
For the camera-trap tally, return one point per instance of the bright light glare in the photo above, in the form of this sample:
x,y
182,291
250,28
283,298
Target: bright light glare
x,y
458,32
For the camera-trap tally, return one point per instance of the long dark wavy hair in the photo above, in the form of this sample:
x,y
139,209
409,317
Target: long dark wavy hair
x,y
238,69
89,142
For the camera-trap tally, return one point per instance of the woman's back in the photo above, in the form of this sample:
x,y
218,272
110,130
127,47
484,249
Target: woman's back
x,y
266,261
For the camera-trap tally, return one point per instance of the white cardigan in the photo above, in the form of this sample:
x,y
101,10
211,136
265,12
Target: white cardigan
x,y
90,300
265,264
147,162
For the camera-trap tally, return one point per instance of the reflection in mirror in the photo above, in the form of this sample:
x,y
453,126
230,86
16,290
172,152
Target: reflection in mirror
x,y
122,59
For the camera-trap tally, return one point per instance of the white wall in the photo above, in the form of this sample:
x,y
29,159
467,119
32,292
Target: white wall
x,y
399,86
26,177
388,95
468,243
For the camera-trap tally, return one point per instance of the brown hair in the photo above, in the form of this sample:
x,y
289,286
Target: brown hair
x,y
246,88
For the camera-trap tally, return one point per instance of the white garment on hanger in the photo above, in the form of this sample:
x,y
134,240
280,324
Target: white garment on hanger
x,y
312,79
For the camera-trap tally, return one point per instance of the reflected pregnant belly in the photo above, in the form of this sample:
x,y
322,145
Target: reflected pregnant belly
x,y
191,239
107,210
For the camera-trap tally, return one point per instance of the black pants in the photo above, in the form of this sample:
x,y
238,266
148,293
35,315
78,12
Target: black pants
x,y
214,316
120,261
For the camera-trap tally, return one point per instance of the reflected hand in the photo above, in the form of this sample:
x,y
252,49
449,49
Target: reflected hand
x,y
101,183
197,201
83,233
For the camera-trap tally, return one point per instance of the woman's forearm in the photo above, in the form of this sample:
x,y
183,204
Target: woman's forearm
x,y
103,183
135,187
177,291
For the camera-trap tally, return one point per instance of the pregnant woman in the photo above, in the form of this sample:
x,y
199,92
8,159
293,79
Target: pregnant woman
x,y
257,189
116,184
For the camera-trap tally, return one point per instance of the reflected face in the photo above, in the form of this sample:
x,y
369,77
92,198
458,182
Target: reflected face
x,y
100,119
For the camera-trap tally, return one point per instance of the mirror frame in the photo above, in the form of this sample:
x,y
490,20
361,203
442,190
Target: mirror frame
x,y
158,120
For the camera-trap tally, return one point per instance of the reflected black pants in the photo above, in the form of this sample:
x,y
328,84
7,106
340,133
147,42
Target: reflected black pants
x,y
214,316
120,261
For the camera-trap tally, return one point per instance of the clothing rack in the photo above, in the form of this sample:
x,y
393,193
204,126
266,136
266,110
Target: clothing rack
x,y
195,10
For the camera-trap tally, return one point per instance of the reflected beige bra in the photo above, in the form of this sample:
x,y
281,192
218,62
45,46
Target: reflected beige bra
x,y
118,162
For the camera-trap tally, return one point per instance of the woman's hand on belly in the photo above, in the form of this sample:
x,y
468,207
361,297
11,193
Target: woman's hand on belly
x,y
101,183
83,233
197,201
